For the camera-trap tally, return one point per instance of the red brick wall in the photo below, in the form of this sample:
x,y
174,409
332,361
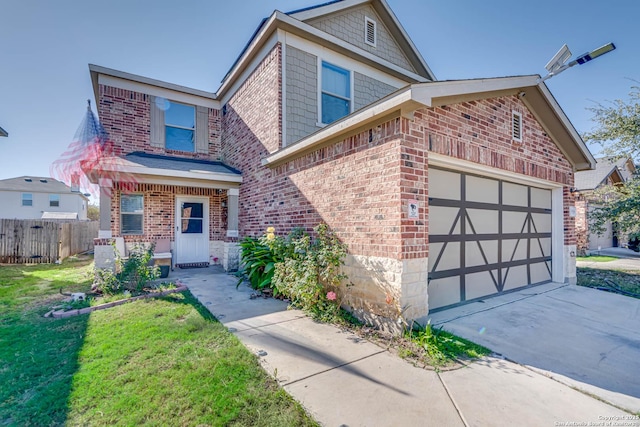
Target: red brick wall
x,y
581,226
125,115
159,211
480,132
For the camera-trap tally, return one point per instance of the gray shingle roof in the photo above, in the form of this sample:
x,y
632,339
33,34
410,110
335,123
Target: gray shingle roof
x,y
605,166
178,164
34,184
3,132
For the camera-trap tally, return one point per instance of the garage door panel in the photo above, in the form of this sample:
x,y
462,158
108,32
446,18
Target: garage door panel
x,y
481,284
541,223
442,220
495,237
514,249
446,255
540,272
482,190
481,253
444,184
514,222
515,194
444,292
540,198
514,277
482,221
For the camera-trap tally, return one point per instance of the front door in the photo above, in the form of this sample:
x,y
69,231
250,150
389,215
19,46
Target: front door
x,y
192,230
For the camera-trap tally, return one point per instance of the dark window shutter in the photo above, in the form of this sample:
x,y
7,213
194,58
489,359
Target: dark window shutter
x,y
202,129
157,124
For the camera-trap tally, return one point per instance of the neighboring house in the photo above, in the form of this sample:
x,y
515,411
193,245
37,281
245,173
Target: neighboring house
x,y
444,192
3,132
30,197
608,171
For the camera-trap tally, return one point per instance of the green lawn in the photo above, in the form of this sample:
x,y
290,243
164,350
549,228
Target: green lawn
x,y
152,362
596,258
622,282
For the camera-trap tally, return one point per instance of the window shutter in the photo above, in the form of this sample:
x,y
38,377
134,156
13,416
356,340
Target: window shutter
x,y
157,124
202,129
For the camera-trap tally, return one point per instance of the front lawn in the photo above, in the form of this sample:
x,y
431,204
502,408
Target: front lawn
x,y
621,282
152,362
596,258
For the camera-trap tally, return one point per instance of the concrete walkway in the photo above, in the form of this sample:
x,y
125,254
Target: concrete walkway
x,y
343,380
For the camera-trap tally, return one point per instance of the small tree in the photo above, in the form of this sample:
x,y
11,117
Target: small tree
x,y
93,212
618,132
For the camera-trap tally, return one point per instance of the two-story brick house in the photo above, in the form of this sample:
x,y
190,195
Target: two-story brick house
x,y
443,191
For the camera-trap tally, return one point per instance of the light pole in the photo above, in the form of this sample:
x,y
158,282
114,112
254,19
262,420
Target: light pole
x,y
558,62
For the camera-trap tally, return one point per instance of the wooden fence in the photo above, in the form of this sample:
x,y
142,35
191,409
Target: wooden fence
x,y
27,241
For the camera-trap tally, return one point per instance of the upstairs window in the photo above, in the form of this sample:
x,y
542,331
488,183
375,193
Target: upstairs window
x,y
131,213
27,199
180,127
54,200
336,93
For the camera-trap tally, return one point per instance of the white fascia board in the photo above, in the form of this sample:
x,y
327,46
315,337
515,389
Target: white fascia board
x,y
125,166
326,10
321,35
98,70
406,37
567,123
146,88
264,41
340,60
448,162
427,92
231,85
353,121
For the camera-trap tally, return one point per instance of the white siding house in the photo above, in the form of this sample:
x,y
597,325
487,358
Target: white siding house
x,y
30,197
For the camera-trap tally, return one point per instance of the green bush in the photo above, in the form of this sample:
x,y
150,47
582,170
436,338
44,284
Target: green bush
x,y
310,275
132,274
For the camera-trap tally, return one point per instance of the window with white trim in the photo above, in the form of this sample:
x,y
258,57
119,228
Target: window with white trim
x,y
54,200
180,127
516,126
370,31
335,93
27,199
131,213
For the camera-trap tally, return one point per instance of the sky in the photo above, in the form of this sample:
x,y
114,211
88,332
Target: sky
x,y
46,46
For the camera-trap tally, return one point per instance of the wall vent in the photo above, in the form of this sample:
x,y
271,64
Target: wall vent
x,y
516,126
370,33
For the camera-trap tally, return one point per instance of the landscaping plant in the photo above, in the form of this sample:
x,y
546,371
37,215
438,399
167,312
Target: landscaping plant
x,y
132,274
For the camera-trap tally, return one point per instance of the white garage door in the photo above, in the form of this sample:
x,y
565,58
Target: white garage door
x,y
486,236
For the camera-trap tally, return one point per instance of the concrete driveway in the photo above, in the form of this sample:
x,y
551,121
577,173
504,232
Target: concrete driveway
x,y
585,338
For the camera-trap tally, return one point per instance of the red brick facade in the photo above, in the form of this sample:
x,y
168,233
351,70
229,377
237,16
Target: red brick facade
x,y
159,211
125,115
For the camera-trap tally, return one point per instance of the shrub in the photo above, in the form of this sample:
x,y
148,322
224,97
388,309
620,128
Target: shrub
x,y
310,273
132,274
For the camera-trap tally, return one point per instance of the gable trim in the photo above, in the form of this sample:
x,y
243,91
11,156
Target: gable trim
x,y
404,101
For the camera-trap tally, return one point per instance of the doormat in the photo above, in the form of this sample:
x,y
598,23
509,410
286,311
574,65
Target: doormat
x,y
193,265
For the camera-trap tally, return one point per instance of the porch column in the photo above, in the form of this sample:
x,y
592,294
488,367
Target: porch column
x,y
232,212
105,207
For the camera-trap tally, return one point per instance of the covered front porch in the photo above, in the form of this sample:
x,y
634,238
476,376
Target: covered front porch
x,y
188,205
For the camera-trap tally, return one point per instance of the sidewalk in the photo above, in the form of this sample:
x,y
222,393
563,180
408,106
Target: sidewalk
x,y
343,380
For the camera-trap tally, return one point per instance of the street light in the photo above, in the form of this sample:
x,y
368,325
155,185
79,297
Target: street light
x,y
557,64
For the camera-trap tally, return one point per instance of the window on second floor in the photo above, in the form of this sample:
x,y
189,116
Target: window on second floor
x,y
27,199
336,93
180,127
131,213
177,126
54,200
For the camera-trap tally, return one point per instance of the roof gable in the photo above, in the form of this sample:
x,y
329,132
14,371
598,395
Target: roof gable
x,y
345,19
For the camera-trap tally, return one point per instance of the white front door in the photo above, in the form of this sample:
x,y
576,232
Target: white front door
x,y
192,230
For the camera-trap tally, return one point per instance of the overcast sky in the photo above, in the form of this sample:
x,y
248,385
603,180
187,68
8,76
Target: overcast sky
x,y
46,46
